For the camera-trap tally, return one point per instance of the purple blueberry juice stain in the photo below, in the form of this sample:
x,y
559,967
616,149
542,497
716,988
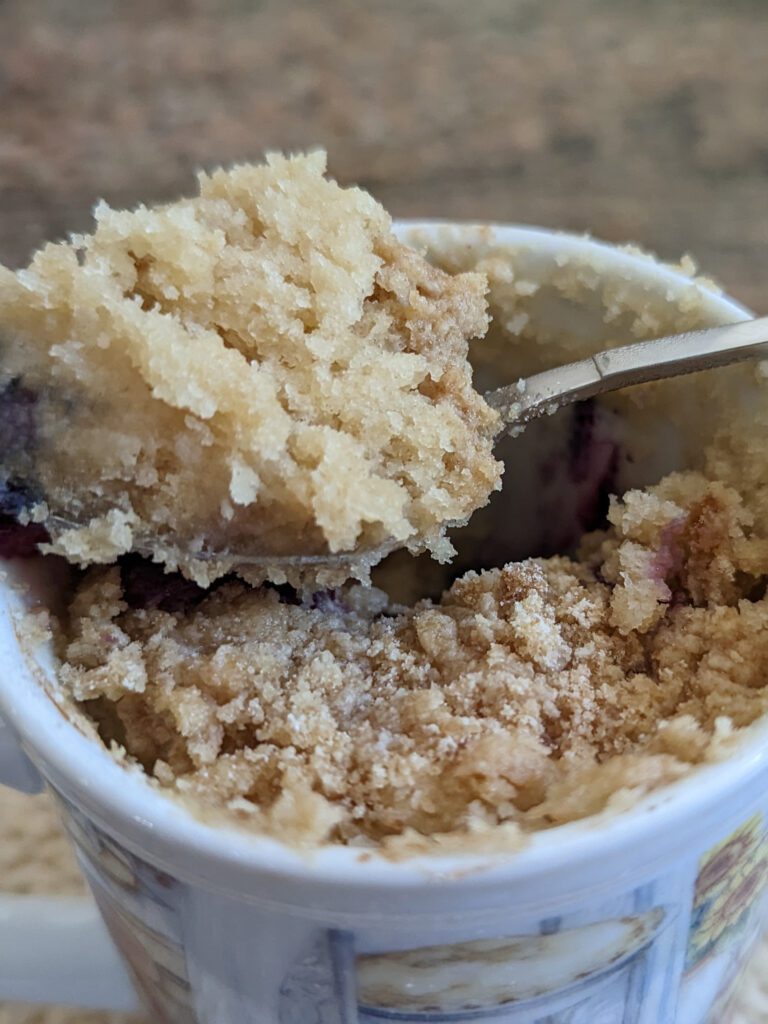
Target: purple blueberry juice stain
x,y
285,592
577,481
593,464
19,541
18,493
18,418
16,498
668,558
580,440
328,601
147,585
668,562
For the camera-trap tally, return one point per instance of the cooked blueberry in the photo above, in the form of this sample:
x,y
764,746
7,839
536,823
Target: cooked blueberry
x,y
17,541
593,463
17,417
580,440
286,593
328,601
147,585
15,498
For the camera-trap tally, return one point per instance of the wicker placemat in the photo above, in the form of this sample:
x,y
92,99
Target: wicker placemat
x,y
35,857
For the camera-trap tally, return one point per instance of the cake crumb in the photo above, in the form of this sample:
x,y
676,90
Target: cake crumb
x,y
262,369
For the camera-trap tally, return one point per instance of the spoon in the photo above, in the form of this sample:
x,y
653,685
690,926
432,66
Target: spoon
x,y
538,395
617,368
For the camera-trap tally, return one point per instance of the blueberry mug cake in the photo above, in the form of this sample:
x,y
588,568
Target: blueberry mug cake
x,y
267,359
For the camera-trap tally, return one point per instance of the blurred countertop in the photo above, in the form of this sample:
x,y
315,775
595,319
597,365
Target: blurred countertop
x,y
640,120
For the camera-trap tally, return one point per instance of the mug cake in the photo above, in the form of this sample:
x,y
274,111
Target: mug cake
x,y
601,630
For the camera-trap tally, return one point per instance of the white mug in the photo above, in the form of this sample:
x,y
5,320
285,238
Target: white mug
x,y
643,917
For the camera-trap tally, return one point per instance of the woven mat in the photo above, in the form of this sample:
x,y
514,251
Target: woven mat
x,y
35,857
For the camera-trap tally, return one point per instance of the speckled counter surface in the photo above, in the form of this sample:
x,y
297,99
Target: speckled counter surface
x,y
638,120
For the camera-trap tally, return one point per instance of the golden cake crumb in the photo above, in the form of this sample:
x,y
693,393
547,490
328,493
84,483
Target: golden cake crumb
x,y
262,368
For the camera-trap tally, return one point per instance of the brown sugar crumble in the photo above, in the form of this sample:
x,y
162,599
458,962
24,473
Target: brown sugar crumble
x,y
261,368
528,696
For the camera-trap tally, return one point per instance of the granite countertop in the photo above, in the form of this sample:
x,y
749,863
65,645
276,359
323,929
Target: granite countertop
x,y
641,120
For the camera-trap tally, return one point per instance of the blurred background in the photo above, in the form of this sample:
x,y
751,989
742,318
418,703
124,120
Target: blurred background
x,y
638,119
643,120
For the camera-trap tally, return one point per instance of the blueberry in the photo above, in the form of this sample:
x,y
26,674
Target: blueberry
x,y
15,498
593,463
147,585
328,601
17,541
18,426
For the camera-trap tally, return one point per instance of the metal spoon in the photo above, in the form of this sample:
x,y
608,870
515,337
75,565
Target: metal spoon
x,y
538,395
618,368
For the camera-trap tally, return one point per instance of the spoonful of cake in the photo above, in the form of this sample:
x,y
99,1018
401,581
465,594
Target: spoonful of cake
x,y
263,379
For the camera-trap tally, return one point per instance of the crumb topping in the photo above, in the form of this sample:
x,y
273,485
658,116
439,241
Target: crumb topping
x,y
528,696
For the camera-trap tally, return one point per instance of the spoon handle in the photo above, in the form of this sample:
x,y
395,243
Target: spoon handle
x,y
621,367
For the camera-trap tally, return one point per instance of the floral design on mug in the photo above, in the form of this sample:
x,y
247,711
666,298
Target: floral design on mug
x,y
731,877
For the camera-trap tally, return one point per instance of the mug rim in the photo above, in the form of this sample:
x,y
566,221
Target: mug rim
x,y
125,802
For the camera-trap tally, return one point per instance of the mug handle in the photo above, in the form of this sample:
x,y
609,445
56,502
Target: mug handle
x,y
57,950
54,950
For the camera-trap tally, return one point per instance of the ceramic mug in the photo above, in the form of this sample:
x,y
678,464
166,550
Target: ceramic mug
x,y
643,917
